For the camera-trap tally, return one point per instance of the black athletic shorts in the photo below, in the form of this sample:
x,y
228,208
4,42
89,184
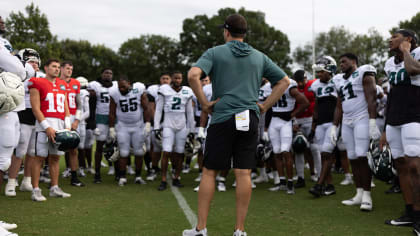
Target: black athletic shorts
x,y
224,142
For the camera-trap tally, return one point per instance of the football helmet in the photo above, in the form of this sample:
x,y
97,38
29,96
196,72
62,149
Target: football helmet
x,y
111,150
299,143
29,54
380,161
66,140
264,150
191,145
83,81
325,63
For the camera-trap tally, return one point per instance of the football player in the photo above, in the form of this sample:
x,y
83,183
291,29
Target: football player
x,y
304,124
49,105
356,107
402,121
165,78
127,105
176,101
280,133
26,144
325,103
9,121
75,108
100,91
81,129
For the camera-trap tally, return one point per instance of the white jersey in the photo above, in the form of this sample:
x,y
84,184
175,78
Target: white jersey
x,y
398,75
352,94
321,89
264,92
197,106
129,110
153,90
208,91
84,98
102,96
175,106
286,103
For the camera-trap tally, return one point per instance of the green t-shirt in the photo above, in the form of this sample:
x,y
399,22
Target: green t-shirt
x,y
236,70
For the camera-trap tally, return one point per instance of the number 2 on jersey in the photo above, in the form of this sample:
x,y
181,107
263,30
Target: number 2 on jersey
x,y
176,103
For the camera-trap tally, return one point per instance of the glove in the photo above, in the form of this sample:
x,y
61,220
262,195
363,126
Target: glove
x,y
265,137
147,129
374,132
158,134
333,135
311,136
97,132
112,133
201,134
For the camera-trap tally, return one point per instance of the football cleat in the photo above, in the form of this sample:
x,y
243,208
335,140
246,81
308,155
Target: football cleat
x,y
151,175
177,183
290,188
239,233
81,172
122,181
404,220
416,228
66,173
58,192
347,180
300,183
37,195
221,187
316,190
26,186
329,190
111,170
163,185
76,182
9,190
352,201
261,178
197,188
7,226
139,180
130,170
194,232
97,179
198,179
5,232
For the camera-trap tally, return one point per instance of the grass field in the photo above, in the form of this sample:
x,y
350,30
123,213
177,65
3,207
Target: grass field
x,y
107,209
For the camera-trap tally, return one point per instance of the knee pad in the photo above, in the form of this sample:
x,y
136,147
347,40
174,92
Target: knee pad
x,y
412,150
139,152
314,147
124,153
5,163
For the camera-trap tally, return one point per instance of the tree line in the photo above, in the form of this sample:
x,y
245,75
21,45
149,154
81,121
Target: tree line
x,y
145,57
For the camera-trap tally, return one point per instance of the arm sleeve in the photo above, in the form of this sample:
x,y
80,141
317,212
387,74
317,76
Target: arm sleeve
x,y
205,62
272,72
158,112
10,63
86,110
190,115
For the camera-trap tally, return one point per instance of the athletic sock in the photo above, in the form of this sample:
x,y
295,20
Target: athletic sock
x,y
122,173
138,172
73,175
409,209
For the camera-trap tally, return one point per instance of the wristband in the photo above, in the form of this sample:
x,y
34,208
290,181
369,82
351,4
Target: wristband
x,y
372,122
45,125
78,115
67,123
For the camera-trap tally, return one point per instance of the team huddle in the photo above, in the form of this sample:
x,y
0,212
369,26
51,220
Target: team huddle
x,y
372,126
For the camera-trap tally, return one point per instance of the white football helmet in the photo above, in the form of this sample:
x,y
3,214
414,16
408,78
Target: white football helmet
x,y
83,81
12,92
29,54
325,63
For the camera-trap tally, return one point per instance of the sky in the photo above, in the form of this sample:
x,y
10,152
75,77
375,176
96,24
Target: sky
x,y
111,22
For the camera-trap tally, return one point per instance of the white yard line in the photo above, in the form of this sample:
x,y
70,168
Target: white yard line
x,y
191,217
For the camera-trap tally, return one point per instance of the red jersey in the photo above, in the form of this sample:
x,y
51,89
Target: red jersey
x,y
52,96
73,88
311,97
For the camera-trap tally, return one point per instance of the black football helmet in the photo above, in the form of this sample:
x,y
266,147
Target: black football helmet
x,y
66,140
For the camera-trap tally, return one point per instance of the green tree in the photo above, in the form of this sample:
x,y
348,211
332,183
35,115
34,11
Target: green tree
x,y
201,32
146,57
370,48
413,24
31,30
88,60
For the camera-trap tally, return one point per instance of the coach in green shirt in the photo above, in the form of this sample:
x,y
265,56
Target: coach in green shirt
x,y
236,70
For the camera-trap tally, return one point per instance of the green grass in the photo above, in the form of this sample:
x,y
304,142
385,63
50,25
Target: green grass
x,y
107,209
